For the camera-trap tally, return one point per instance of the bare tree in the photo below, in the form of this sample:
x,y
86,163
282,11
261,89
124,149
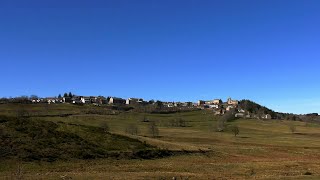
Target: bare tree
x,y
154,131
105,127
235,130
179,122
221,124
19,173
292,128
145,118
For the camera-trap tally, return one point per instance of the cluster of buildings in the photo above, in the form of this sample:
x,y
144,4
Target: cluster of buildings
x,y
99,100
219,108
217,105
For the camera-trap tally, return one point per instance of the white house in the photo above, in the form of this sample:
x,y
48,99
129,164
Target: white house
x,y
35,100
215,106
239,115
217,101
266,116
134,101
229,108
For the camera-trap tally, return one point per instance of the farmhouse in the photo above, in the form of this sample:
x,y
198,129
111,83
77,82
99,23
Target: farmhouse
x,y
168,104
215,106
239,115
85,100
76,100
134,101
232,102
219,111
35,100
201,102
115,100
93,99
185,104
52,100
66,100
229,108
102,100
266,116
217,101
211,102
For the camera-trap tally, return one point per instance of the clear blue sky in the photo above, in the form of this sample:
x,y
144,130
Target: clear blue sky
x,y
173,50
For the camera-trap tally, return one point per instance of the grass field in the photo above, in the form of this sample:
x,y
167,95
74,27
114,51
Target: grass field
x,y
262,150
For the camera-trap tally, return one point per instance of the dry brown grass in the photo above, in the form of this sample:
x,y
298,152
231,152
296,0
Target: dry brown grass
x,y
263,150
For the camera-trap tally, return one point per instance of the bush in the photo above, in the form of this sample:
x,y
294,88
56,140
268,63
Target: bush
x,y
153,129
151,154
145,119
105,127
308,173
179,122
292,128
235,130
132,129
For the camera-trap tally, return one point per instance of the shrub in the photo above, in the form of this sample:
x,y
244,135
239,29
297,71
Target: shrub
x,y
292,128
235,130
153,129
179,122
308,173
132,129
105,127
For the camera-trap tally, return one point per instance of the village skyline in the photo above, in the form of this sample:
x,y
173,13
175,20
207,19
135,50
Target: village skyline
x,y
218,105
312,105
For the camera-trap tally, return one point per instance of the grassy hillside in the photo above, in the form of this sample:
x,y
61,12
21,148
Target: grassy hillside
x,y
269,149
33,139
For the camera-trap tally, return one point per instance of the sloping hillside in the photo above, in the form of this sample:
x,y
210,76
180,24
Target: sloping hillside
x,y
29,139
255,108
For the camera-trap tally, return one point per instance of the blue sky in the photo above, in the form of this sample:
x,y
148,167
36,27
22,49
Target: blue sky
x,y
181,50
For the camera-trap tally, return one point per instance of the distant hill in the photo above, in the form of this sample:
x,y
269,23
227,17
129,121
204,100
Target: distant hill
x,y
258,109
255,108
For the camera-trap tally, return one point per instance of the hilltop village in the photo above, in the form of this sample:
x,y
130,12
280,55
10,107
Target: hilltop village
x,y
221,108
216,105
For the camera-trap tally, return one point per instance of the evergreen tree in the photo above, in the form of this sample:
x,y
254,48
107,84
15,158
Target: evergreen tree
x,y
59,96
159,104
151,101
65,95
70,94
